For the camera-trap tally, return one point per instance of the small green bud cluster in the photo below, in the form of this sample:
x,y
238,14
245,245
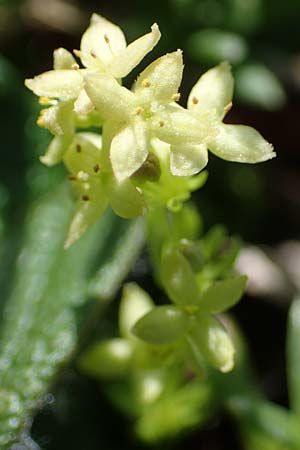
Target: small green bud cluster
x,y
162,349
151,147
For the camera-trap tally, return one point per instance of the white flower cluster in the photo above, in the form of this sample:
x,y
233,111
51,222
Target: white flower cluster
x,y
136,124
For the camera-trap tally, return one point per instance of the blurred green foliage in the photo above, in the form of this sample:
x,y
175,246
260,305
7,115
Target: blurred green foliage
x,y
261,39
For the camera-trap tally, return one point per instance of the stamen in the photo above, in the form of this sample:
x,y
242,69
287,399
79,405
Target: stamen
x,y
106,38
139,110
83,176
77,52
161,124
96,168
93,54
78,148
228,107
72,177
75,66
195,100
85,198
146,83
176,97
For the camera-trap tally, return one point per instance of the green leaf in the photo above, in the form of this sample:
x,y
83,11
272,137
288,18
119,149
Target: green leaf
x,y
222,295
267,418
178,278
39,327
179,411
293,355
135,303
162,325
109,358
209,339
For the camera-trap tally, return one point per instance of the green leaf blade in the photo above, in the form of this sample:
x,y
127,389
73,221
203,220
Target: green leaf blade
x,y
222,295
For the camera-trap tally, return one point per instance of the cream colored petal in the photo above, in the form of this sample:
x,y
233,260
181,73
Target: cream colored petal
x,y
109,98
161,79
63,59
100,43
83,104
123,63
179,127
241,143
49,118
58,119
213,92
56,150
128,151
83,156
188,159
89,209
61,84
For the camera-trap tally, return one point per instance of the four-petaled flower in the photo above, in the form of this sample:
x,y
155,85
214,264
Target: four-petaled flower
x,y
209,101
149,110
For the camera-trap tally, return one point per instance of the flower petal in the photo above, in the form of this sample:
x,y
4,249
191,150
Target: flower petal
x,y
179,127
100,42
63,59
61,84
56,150
213,91
83,105
178,278
84,154
88,211
128,151
125,199
161,79
58,119
123,62
110,99
188,159
48,118
241,143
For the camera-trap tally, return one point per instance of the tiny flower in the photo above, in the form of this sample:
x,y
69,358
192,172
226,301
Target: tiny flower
x,y
149,111
96,188
103,49
209,101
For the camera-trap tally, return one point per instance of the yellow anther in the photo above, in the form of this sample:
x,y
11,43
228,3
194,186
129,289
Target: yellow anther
x,y
45,101
228,107
176,97
76,52
146,82
75,66
195,100
106,38
139,110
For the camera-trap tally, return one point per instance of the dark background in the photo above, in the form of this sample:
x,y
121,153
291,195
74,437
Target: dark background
x,y
260,204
